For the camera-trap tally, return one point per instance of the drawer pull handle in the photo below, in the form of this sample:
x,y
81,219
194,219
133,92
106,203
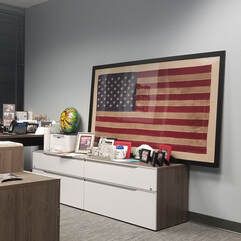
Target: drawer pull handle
x,y
112,185
59,173
102,161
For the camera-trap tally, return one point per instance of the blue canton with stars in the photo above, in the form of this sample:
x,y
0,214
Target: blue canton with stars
x,y
116,92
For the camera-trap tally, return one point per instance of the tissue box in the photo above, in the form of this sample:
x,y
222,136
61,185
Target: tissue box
x,y
62,143
11,157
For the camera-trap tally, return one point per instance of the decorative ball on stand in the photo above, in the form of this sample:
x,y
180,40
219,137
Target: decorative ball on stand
x,y
69,120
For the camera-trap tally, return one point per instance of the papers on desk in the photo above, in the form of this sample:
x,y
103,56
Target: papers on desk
x,y
40,130
5,177
9,144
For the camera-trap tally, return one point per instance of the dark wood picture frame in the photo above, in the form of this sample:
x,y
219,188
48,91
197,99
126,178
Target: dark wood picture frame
x,y
214,61
145,155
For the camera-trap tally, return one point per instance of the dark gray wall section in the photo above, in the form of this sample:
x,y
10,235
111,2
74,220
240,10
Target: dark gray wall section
x,y
11,56
64,39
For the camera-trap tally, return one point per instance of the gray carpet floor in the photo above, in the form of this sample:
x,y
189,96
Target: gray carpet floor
x,y
77,225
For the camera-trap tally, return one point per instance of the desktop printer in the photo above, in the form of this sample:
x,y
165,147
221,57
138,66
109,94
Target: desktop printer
x,y
62,143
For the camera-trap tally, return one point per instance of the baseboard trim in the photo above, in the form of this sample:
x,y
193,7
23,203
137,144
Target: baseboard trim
x,y
216,222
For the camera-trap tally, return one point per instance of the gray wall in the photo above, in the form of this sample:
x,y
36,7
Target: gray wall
x,y
64,39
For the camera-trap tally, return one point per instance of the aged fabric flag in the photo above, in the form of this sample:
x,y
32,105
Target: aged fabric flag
x,y
163,106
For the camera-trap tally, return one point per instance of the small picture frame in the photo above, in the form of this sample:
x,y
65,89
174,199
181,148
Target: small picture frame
x,y
158,158
167,149
145,155
8,114
107,151
106,141
85,141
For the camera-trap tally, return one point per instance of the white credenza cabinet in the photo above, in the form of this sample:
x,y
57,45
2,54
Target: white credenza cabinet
x,y
71,174
136,193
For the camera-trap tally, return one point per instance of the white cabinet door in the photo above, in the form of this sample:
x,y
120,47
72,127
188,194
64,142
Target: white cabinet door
x,y
129,205
71,189
59,165
138,177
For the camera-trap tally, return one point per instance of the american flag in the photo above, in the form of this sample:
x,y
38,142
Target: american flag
x,y
163,106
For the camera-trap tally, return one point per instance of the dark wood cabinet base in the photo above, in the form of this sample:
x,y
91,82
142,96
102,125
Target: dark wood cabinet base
x,y
29,209
172,196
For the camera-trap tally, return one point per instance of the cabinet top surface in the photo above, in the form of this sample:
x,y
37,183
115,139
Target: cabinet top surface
x,y
102,160
27,178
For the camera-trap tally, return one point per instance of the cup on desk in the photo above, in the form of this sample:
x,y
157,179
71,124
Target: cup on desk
x,y
120,152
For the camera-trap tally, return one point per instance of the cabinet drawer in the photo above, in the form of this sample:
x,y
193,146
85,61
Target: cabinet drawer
x,y
60,165
133,206
137,177
71,189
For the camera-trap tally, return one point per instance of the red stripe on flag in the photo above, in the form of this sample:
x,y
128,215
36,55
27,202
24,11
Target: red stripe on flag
x,y
157,121
181,148
179,109
198,96
193,149
174,134
175,71
179,84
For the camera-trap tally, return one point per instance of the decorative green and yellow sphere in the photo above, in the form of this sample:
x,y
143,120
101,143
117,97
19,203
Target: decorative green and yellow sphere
x,y
69,120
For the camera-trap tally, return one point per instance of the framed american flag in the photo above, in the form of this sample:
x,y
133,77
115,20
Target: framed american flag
x,y
175,101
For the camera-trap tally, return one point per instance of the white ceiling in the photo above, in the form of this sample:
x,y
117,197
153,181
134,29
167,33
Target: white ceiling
x,y
22,3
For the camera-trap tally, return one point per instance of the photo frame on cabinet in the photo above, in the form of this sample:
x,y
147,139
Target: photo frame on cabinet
x,y
174,100
8,114
167,149
84,143
106,141
145,155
